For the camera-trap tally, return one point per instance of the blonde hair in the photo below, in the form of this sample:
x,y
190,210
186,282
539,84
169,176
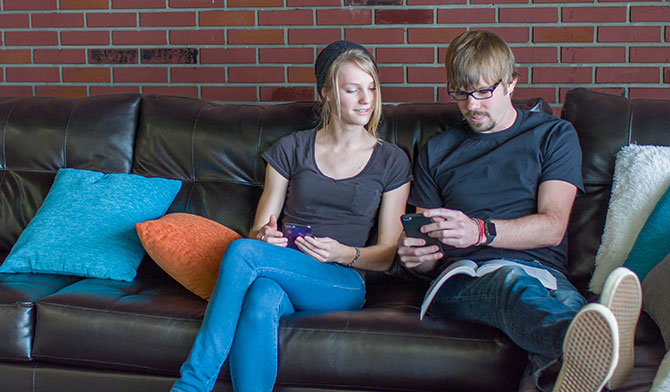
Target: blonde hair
x,y
476,54
365,61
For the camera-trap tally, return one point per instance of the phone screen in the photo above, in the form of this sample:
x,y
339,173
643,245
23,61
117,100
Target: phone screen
x,y
295,230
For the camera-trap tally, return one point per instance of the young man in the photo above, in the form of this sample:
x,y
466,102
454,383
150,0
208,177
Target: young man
x,y
501,186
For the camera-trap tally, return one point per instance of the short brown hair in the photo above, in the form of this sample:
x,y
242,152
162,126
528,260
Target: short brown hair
x,y
476,54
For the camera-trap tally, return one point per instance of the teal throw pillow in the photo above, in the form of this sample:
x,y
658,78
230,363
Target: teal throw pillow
x,y
86,225
653,242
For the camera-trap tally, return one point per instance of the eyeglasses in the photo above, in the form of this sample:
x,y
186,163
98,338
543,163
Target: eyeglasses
x,y
485,93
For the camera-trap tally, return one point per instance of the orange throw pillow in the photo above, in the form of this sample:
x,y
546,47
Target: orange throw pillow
x,y
188,247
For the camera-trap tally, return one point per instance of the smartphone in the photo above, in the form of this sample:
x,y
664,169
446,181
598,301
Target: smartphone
x,y
412,224
295,230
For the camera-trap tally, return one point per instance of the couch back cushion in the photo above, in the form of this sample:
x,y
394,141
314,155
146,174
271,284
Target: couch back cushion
x,y
605,123
40,135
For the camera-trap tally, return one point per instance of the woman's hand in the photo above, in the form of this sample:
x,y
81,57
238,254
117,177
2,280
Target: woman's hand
x,y
326,249
269,233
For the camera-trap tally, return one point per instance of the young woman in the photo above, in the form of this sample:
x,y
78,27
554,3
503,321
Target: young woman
x,y
336,179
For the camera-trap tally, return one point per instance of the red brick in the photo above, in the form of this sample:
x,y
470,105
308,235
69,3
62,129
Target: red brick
x,y
286,18
593,14
627,75
90,74
629,33
33,74
255,3
88,37
256,37
286,55
111,19
404,16
648,93
61,91
181,91
431,75
667,34
14,21
562,75
361,3
167,19
590,54
405,55
15,56
112,56
145,37
84,4
528,15
622,1
548,93
31,38
198,75
650,14
16,91
344,17
198,37
227,18
436,2
564,1
523,75
666,75
2,75
535,54
169,56
234,94
432,35
134,4
106,90
488,2
140,74
286,94
227,56
255,75
650,54
391,75
313,3
408,94
58,20
197,3
60,56
301,75
375,36
512,34
313,36
17,5
563,34
472,15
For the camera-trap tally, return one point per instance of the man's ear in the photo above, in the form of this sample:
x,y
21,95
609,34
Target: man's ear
x,y
511,85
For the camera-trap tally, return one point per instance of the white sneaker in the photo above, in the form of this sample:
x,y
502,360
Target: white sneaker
x,y
590,351
622,294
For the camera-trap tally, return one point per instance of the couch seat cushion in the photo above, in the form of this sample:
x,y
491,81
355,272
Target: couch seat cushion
x,y
18,293
146,326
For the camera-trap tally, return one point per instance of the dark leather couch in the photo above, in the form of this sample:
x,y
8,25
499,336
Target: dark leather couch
x,y
64,333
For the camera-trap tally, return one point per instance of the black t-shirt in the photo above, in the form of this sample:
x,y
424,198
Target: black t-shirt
x,y
344,209
497,176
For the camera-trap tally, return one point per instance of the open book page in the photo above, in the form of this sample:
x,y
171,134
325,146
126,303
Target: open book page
x,y
470,268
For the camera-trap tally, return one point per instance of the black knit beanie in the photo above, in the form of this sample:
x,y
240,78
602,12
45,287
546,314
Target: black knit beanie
x,y
327,56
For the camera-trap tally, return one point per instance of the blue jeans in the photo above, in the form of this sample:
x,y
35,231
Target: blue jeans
x,y
257,284
536,319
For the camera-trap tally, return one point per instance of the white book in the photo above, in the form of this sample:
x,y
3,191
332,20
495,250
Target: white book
x,y
470,268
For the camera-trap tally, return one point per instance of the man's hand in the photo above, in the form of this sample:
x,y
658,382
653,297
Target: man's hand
x,y
415,254
451,227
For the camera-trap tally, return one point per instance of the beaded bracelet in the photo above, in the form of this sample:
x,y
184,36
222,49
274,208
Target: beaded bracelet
x,y
358,254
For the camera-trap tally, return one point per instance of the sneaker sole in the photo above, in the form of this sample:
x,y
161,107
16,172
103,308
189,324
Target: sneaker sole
x,y
590,351
622,294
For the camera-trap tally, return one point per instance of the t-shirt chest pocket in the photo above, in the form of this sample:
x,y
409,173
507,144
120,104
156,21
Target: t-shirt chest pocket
x,y
366,200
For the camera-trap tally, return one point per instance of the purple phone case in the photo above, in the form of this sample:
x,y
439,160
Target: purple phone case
x,y
294,230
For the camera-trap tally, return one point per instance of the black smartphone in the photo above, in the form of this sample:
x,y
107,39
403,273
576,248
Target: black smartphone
x,y
412,224
295,230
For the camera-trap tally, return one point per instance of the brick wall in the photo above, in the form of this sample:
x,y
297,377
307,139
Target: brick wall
x,y
264,50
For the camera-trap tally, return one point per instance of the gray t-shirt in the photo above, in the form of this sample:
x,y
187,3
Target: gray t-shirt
x,y
344,209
